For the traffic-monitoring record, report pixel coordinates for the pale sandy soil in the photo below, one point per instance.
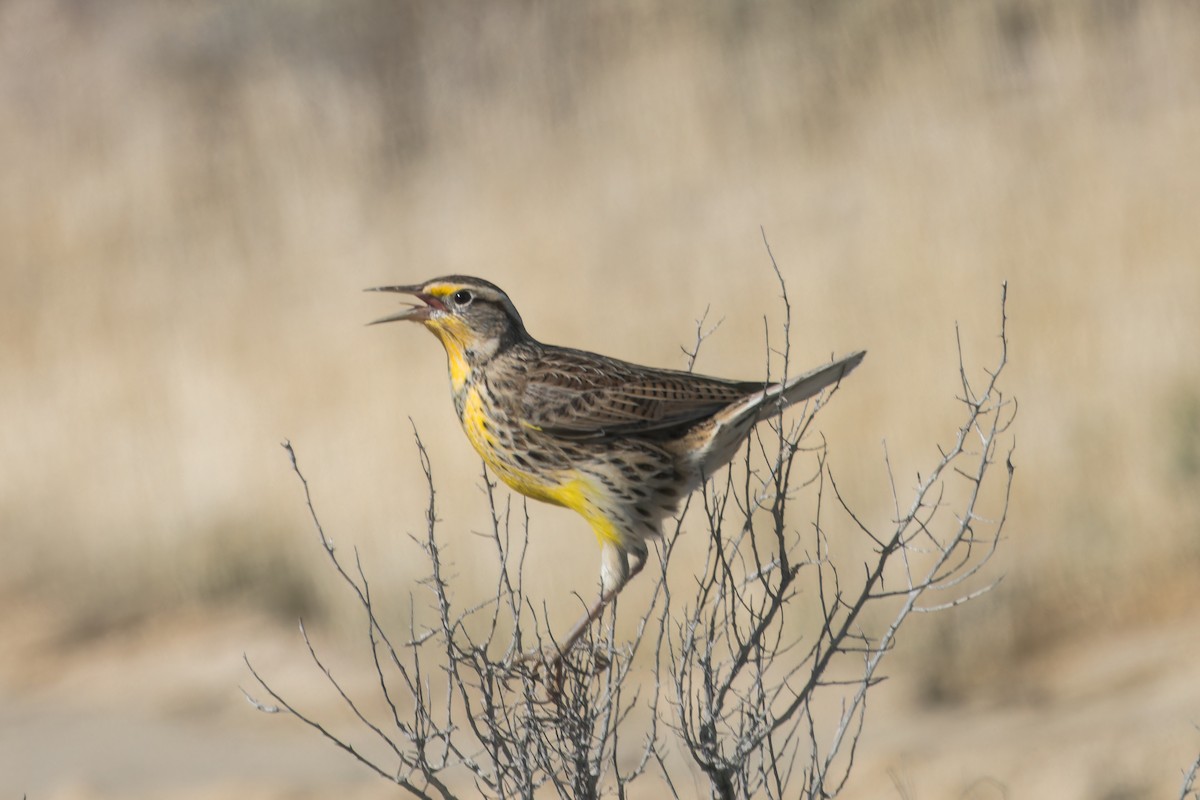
(1110, 716)
(156, 712)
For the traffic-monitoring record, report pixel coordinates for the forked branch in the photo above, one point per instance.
(738, 659)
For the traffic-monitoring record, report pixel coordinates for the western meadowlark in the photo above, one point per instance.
(619, 443)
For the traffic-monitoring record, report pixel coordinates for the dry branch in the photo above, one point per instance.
(733, 681)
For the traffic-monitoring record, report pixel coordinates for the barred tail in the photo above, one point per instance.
(804, 386)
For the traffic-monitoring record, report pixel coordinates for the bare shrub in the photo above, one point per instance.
(722, 680)
(1188, 789)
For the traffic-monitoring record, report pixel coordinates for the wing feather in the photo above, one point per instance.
(572, 394)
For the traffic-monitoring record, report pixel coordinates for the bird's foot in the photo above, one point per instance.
(551, 666)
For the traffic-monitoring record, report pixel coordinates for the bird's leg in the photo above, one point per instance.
(618, 566)
(597, 609)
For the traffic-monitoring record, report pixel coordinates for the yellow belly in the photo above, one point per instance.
(568, 489)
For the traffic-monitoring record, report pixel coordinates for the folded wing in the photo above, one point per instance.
(570, 397)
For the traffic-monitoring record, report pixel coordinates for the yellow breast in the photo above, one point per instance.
(478, 427)
(567, 489)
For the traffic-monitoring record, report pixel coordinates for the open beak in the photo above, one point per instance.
(414, 313)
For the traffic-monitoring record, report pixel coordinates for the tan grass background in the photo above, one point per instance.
(193, 195)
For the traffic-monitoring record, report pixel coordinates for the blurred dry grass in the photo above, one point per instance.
(194, 193)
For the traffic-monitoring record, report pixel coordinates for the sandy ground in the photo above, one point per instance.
(1110, 716)
(156, 711)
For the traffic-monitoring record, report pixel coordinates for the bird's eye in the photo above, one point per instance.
(463, 297)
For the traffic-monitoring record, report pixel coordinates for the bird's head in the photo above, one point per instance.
(473, 318)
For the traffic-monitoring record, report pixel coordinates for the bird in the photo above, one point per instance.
(620, 444)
